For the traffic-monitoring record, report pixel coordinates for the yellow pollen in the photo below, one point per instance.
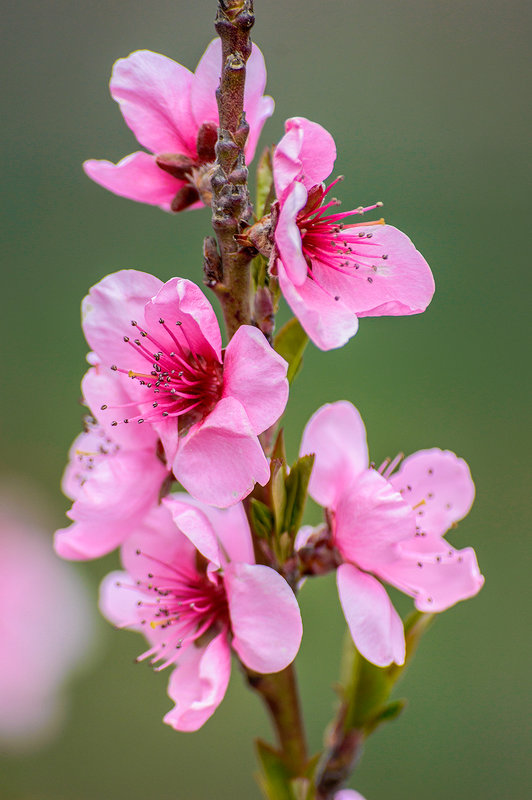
(132, 374)
(421, 503)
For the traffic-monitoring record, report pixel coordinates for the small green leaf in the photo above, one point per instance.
(274, 778)
(386, 714)
(265, 188)
(261, 518)
(296, 492)
(278, 495)
(290, 343)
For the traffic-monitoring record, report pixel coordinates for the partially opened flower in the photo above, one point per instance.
(174, 115)
(207, 407)
(332, 271)
(194, 605)
(389, 526)
(114, 474)
(46, 627)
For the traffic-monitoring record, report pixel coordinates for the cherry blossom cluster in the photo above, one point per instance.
(169, 405)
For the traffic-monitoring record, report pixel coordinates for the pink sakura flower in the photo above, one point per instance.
(46, 629)
(207, 406)
(330, 271)
(348, 794)
(389, 526)
(114, 475)
(173, 113)
(193, 607)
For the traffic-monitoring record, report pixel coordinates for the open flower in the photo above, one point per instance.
(114, 474)
(194, 606)
(332, 271)
(173, 113)
(389, 526)
(46, 627)
(207, 407)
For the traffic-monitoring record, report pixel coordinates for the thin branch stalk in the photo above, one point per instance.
(280, 695)
(231, 208)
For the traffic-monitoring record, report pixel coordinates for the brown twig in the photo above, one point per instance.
(231, 207)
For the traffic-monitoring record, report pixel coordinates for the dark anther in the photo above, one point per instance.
(102, 408)
(114, 367)
(126, 338)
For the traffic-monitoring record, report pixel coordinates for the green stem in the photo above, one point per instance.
(280, 695)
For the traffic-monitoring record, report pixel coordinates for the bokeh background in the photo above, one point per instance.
(427, 102)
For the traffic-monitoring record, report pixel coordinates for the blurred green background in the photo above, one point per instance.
(427, 102)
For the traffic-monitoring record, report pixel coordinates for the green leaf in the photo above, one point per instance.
(275, 777)
(296, 493)
(386, 714)
(265, 188)
(278, 495)
(262, 520)
(290, 343)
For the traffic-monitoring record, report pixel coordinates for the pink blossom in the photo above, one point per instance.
(332, 272)
(207, 407)
(348, 794)
(389, 526)
(173, 114)
(46, 629)
(114, 475)
(194, 609)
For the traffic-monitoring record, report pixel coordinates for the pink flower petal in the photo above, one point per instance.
(199, 684)
(89, 539)
(288, 237)
(348, 794)
(258, 107)
(196, 527)
(153, 94)
(204, 84)
(401, 284)
(265, 617)
(374, 624)
(434, 573)
(104, 387)
(306, 153)
(221, 460)
(136, 177)
(441, 482)
(107, 312)
(157, 537)
(336, 434)
(327, 321)
(219, 534)
(118, 600)
(256, 376)
(181, 301)
(371, 518)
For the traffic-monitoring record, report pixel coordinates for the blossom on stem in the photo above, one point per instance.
(173, 114)
(205, 405)
(192, 587)
(332, 271)
(389, 526)
(46, 628)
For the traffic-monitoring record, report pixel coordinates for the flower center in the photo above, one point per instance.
(179, 383)
(346, 248)
(180, 606)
